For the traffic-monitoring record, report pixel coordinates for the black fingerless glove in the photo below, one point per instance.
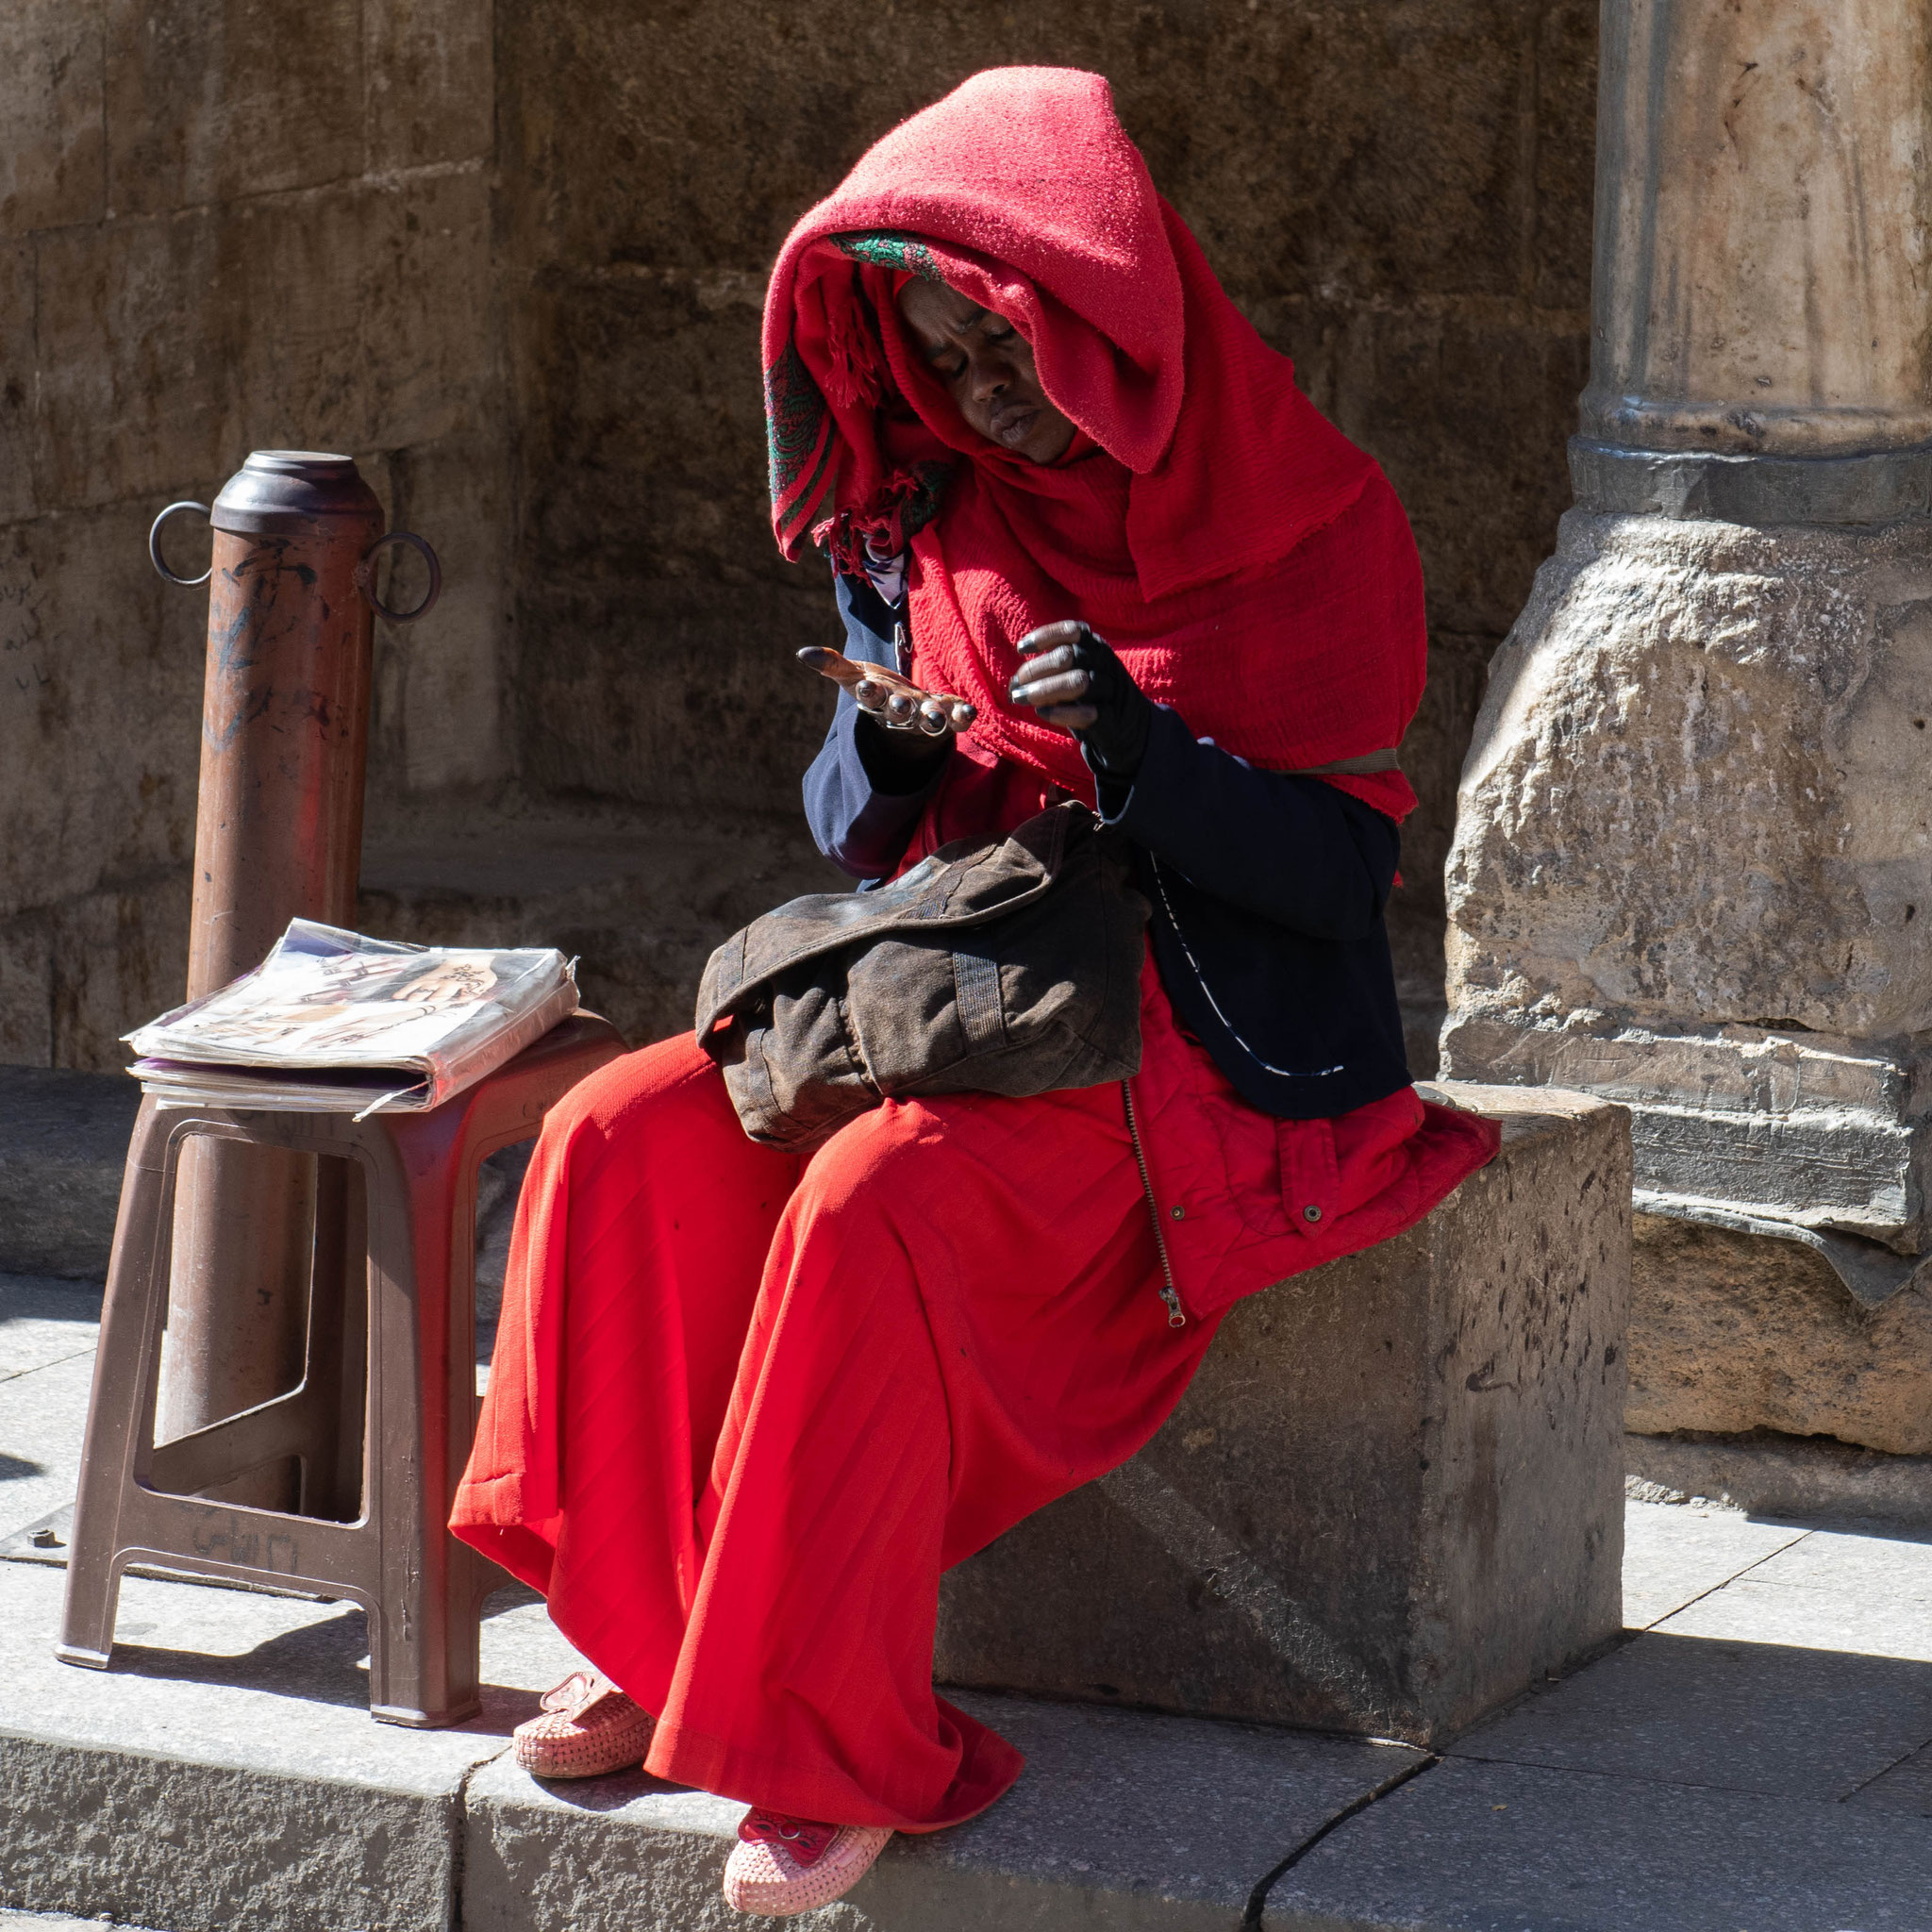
(1116, 742)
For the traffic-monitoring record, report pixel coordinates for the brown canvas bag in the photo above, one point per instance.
(1005, 965)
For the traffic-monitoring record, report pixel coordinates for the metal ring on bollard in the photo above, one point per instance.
(365, 575)
(154, 545)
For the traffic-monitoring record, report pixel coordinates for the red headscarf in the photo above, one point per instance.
(1250, 566)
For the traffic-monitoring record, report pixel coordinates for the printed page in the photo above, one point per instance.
(329, 998)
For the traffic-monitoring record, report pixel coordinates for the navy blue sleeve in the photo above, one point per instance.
(862, 798)
(869, 621)
(1293, 850)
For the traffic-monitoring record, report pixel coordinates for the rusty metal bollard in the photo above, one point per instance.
(278, 836)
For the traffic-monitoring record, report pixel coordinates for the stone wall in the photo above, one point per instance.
(219, 231)
(516, 269)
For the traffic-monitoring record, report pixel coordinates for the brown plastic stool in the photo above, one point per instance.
(382, 1419)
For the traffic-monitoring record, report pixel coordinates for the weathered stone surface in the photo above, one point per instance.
(641, 899)
(438, 720)
(1737, 867)
(182, 1790)
(1392, 1496)
(50, 115)
(118, 1831)
(17, 296)
(133, 401)
(63, 1137)
(227, 1773)
(430, 83)
(1815, 1130)
(1499, 1848)
(26, 1019)
(1731, 1333)
(1121, 1820)
(99, 825)
(1759, 283)
(420, 235)
(1748, 700)
(113, 952)
(90, 633)
(1801, 1477)
(1693, 846)
(177, 354)
(295, 247)
(215, 100)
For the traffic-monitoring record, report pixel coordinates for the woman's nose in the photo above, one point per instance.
(987, 375)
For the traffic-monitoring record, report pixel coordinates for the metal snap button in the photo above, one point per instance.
(1311, 1212)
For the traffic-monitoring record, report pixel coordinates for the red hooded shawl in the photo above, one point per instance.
(1250, 566)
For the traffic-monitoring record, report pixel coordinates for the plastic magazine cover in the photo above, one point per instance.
(337, 1022)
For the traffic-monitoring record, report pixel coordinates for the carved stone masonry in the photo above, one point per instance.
(1692, 870)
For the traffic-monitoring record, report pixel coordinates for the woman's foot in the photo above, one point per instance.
(784, 1865)
(589, 1730)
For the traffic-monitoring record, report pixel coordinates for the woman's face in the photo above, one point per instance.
(987, 366)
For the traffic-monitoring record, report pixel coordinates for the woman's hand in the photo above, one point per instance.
(1074, 680)
(891, 701)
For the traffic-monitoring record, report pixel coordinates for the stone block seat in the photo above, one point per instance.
(1392, 1498)
(381, 1421)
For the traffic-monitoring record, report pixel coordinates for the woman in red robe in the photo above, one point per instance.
(747, 1403)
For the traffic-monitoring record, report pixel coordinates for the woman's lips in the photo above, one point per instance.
(1014, 424)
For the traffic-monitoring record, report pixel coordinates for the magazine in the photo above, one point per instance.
(334, 1023)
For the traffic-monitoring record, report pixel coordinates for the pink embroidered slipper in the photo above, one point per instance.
(784, 1865)
(589, 1730)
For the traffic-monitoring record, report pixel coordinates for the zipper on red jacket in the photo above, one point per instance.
(1176, 1315)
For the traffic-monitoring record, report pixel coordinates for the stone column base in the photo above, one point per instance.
(1393, 1496)
(1808, 1480)
(1733, 1333)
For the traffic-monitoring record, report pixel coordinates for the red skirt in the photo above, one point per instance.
(746, 1406)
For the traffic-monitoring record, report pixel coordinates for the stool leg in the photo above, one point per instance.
(336, 1346)
(424, 1663)
(121, 1409)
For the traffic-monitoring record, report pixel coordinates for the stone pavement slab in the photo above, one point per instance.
(42, 1416)
(63, 1139)
(275, 1684)
(1831, 1591)
(1844, 1567)
(1907, 1787)
(45, 1319)
(1737, 1716)
(225, 1772)
(1674, 1555)
(1123, 1820)
(47, 1330)
(1473, 1847)
(1760, 1762)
